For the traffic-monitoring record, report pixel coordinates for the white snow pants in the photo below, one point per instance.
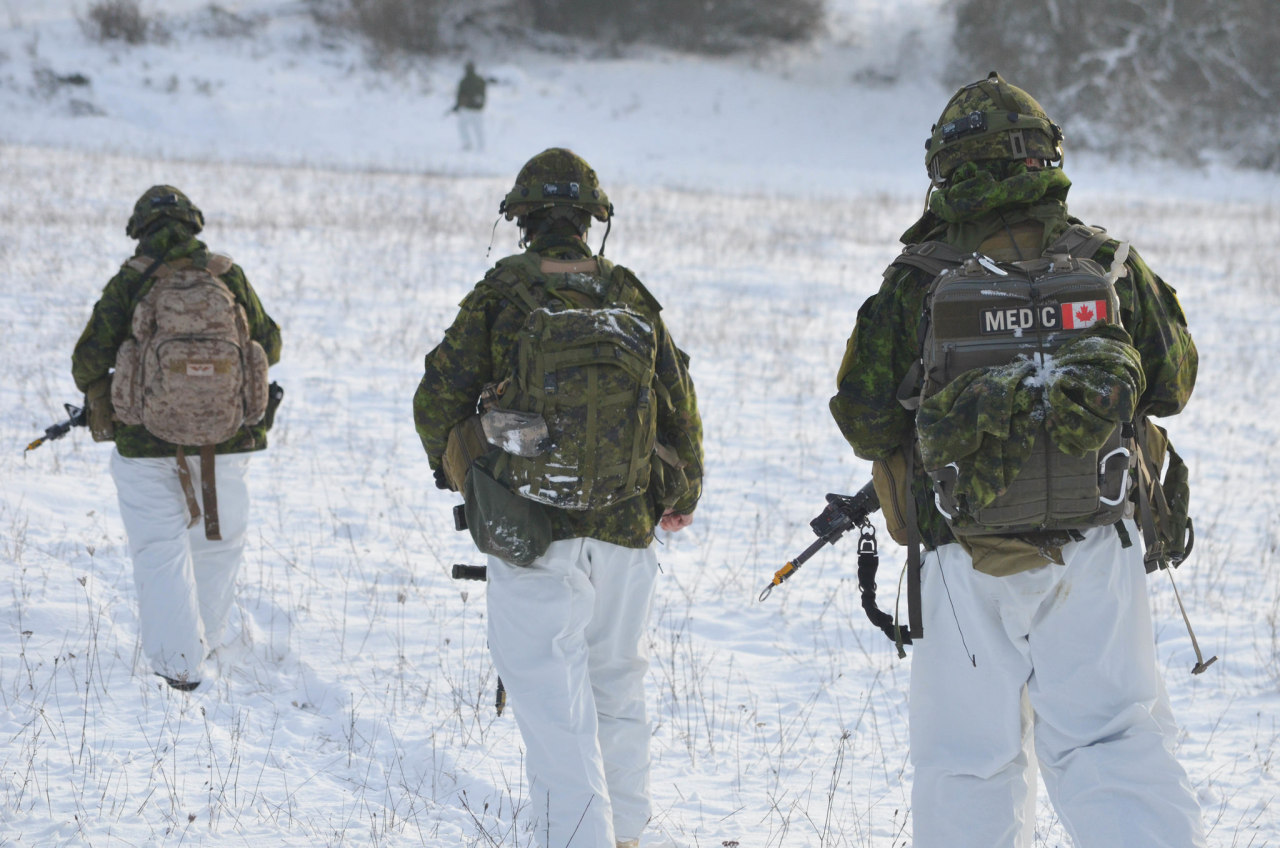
(567, 635)
(471, 128)
(185, 582)
(1076, 641)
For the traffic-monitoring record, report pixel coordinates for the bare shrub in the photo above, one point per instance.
(1170, 77)
(711, 26)
(218, 22)
(391, 26)
(121, 20)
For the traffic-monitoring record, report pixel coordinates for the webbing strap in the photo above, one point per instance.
(1080, 241)
(592, 436)
(188, 491)
(151, 270)
(638, 453)
(1150, 500)
(209, 493)
(915, 614)
(932, 257)
(526, 296)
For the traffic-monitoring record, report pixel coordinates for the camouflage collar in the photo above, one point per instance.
(561, 247)
(174, 240)
(983, 192)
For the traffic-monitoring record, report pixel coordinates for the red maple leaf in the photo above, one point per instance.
(1084, 315)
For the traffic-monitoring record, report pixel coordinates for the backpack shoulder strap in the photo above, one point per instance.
(218, 264)
(151, 270)
(1080, 241)
(932, 257)
(510, 278)
(627, 286)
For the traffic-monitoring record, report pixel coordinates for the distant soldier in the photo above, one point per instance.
(589, 439)
(470, 108)
(174, 362)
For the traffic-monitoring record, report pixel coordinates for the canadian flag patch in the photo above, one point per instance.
(1083, 313)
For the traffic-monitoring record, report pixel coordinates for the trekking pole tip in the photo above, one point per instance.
(1200, 667)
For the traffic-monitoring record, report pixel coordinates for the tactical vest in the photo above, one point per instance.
(575, 421)
(982, 314)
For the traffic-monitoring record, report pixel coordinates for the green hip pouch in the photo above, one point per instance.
(502, 523)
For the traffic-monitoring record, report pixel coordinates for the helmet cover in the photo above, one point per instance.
(556, 177)
(160, 202)
(990, 119)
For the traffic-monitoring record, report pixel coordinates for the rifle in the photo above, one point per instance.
(77, 416)
(470, 572)
(842, 514)
(480, 572)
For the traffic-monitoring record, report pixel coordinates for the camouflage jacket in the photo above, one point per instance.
(109, 326)
(885, 343)
(478, 349)
(471, 92)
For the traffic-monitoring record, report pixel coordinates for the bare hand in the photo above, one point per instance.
(673, 522)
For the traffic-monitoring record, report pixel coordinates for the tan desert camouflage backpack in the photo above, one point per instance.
(190, 374)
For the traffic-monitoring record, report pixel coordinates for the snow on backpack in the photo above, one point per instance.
(190, 374)
(576, 420)
(983, 314)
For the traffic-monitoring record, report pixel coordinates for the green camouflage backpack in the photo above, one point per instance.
(575, 423)
(1026, 389)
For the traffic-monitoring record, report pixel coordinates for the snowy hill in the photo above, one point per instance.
(759, 198)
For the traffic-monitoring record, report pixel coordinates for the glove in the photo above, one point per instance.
(441, 481)
(97, 400)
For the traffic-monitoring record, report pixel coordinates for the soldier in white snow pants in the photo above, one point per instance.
(567, 637)
(185, 582)
(1077, 639)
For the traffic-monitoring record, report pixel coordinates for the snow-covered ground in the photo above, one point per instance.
(759, 199)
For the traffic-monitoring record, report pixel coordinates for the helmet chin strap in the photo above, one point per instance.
(608, 225)
(492, 232)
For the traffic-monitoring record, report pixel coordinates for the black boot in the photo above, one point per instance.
(180, 685)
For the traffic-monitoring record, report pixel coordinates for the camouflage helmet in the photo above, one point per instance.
(162, 201)
(556, 177)
(990, 119)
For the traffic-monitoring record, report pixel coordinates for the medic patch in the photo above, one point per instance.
(1082, 314)
(1013, 320)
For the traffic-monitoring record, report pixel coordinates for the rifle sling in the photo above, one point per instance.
(868, 565)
